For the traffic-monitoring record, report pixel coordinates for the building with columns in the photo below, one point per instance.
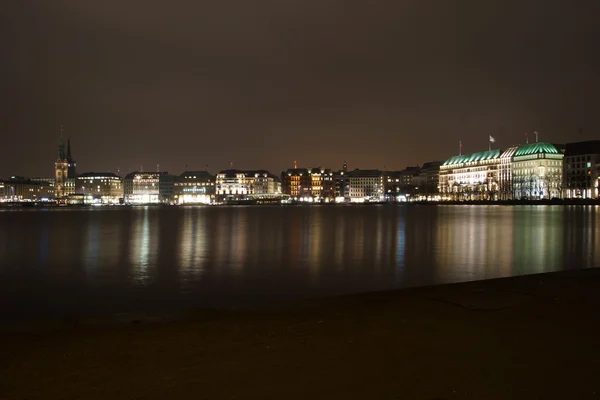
(238, 185)
(537, 171)
(470, 176)
(528, 171)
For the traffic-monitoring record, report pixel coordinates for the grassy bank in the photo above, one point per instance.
(520, 338)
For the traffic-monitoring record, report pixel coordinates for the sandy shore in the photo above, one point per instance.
(531, 337)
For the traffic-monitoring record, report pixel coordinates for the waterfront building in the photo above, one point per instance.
(341, 185)
(19, 189)
(142, 187)
(581, 170)
(100, 188)
(401, 185)
(48, 182)
(296, 183)
(166, 188)
(505, 175)
(365, 186)
(537, 170)
(237, 185)
(194, 187)
(391, 185)
(470, 176)
(309, 184)
(61, 171)
(65, 170)
(426, 182)
(265, 184)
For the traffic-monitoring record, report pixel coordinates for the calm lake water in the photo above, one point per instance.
(67, 261)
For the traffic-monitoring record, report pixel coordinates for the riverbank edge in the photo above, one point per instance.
(467, 288)
(524, 337)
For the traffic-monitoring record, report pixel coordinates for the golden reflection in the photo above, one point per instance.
(379, 234)
(295, 239)
(144, 245)
(474, 243)
(193, 247)
(314, 241)
(595, 237)
(222, 236)
(239, 239)
(338, 242)
(359, 238)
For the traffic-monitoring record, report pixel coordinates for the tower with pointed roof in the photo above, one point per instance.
(65, 169)
(72, 165)
(61, 169)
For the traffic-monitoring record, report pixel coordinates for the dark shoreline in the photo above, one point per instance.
(523, 337)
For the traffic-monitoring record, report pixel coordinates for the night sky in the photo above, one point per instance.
(265, 82)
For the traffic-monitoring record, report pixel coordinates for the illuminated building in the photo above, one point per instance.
(365, 186)
(581, 170)
(142, 187)
(18, 189)
(49, 181)
(236, 185)
(61, 171)
(470, 176)
(65, 170)
(194, 187)
(309, 184)
(100, 188)
(505, 175)
(537, 171)
(528, 171)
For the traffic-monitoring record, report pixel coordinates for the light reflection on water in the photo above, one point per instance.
(82, 261)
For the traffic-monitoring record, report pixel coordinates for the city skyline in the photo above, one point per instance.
(391, 84)
(532, 137)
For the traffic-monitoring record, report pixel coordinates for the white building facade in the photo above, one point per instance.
(236, 185)
(471, 176)
(365, 186)
(142, 188)
(537, 170)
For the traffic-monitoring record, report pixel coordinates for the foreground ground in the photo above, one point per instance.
(532, 337)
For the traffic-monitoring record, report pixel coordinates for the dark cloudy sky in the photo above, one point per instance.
(266, 82)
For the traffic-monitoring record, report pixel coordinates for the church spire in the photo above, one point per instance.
(61, 146)
(69, 150)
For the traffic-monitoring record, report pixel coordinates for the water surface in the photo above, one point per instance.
(76, 261)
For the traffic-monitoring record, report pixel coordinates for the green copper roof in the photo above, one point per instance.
(484, 155)
(539, 148)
